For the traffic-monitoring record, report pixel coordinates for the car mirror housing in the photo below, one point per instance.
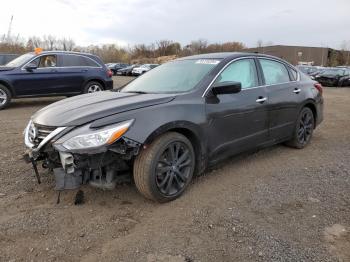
(31, 66)
(229, 87)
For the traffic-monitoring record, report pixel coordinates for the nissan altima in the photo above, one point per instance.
(173, 122)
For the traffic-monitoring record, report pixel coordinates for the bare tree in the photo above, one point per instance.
(50, 42)
(198, 46)
(67, 44)
(259, 43)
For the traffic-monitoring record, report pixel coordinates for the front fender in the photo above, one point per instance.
(9, 86)
(154, 120)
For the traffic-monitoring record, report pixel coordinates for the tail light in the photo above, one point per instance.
(109, 73)
(318, 86)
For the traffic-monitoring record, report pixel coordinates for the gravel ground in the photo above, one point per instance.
(279, 204)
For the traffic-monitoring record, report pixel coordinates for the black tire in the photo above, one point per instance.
(303, 130)
(88, 87)
(157, 174)
(5, 96)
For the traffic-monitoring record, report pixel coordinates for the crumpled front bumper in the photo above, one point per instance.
(34, 150)
(99, 166)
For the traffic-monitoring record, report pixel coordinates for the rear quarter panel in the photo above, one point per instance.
(310, 95)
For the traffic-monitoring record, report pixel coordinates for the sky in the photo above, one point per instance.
(123, 22)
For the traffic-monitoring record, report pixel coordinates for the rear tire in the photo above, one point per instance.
(92, 87)
(303, 130)
(165, 168)
(5, 96)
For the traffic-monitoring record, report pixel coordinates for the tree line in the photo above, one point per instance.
(159, 51)
(112, 52)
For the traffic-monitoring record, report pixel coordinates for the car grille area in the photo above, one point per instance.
(37, 133)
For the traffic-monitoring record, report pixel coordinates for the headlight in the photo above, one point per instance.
(105, 136)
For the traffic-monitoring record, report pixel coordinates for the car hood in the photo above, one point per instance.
(6, 68)
(83, 109)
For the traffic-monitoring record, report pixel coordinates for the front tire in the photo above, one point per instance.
(5, 96)
(165, 168)
(303, 130)
(92, 87)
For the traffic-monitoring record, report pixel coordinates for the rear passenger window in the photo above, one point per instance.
(89, 62)
(274, 72)
(77, 60)
(243, 71)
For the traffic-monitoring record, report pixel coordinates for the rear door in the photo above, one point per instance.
(73, 71)
(237, 122)
(284, 96)
(40, 81)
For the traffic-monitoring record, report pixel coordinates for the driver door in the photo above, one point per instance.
(237, 122)
(40, 81)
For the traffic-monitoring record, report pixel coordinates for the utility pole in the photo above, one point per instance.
(9, 30)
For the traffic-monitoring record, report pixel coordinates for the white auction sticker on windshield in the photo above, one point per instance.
(207, 61)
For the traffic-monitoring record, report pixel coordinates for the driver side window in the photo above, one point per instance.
(243, 71)
(47, 61)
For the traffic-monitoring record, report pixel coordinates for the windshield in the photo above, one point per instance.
(172, 77)
(333, 72)
(20, 60)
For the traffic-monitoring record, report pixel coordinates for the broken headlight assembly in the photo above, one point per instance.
(97, 138)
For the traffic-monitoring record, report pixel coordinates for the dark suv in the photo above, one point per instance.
(52, 73)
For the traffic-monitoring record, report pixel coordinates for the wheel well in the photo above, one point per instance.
(96, 80)
(8, 86)
(195, 141)
(314, 112)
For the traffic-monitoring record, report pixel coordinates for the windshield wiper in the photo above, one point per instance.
(136, 92)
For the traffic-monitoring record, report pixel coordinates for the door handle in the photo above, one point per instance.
(297, 90)
(261, 99)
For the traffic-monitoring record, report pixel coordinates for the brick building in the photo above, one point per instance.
(319, 56)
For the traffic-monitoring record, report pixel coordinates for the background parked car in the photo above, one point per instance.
(312, 71)
(334, 77)
(143, 69)
(53, 73)
(114, 67)
(5, 58)
(127, 70)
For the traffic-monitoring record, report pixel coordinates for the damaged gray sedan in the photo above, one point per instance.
(174, 121)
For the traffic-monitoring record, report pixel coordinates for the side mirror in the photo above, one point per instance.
(31, 67)
(229, 87)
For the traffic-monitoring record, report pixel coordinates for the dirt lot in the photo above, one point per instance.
(278, 204)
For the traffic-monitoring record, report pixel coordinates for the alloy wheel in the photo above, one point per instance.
(305, 127)
(3, 97)
(173, 168)
(94, 88)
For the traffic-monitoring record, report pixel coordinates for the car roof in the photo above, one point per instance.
(224, 55)
(64, 52)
